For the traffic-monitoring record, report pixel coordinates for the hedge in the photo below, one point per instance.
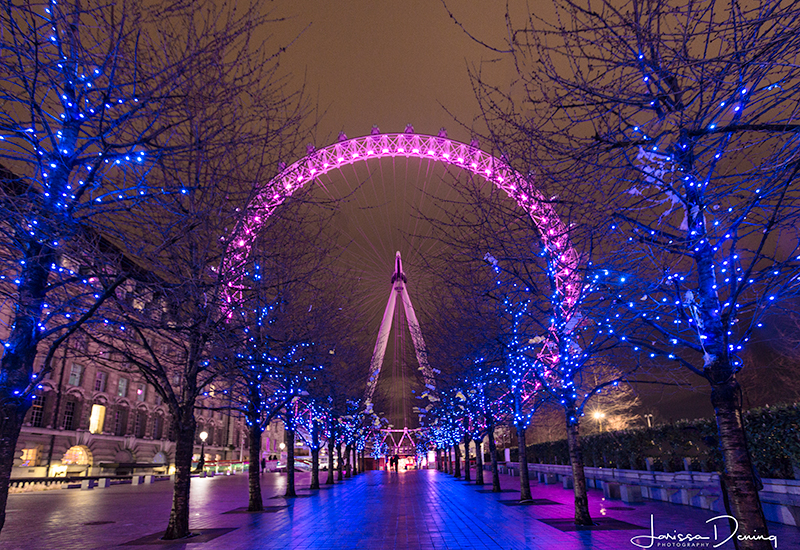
(773, 435)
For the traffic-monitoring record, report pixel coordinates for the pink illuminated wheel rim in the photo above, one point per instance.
(376, 146)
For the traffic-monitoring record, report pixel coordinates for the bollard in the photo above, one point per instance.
(611, 490)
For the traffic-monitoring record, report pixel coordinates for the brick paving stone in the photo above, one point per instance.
(375, 510)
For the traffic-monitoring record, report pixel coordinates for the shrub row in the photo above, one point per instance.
(773, 435)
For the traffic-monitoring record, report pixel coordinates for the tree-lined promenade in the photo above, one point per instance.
(409, 509)
(137, 141)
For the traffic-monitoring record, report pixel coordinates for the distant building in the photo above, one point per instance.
(87, 415)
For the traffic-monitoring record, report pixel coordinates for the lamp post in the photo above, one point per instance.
(599, 416)
(202, 462)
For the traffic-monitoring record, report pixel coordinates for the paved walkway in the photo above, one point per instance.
(375, 510)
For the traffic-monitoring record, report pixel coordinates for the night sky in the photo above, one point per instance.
(368, 62)
(388, 64)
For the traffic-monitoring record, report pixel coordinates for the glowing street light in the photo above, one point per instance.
(599, 416)
(202, 462)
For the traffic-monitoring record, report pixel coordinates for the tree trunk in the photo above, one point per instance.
(739, 475)
(495, 467)
(178, 526)
(478, 463)
(457, 461)
(524, 476)
(314, 454)
(466, 457)
(255, 503)
(11, 417)
(355, 461)
(16, 366)
(438, 460)
(289, 440)
(339, 463)
(582, 516)
(331, 444)
(347, 465)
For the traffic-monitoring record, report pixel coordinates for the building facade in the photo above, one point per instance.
(88, 419)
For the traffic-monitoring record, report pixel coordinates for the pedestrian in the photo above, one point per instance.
(263, 464)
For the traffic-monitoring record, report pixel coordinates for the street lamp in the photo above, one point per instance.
(202, 462)
(599, 416)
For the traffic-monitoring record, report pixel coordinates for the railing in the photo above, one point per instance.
(223, 467)
(31, 484)
(780, 498)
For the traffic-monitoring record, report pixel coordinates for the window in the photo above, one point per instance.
(75, 374)
(69, 415)
(97, 418)
(156, 427)
(122, 387)
(76, 455)
(120, 421)
(100, 381)
(37, 412)
(141, 392)
(140, 425)
(30, 457)
(158, 400)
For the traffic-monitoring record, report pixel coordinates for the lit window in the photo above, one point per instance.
(122, 387)
(30, 457)
(75, 374)
(75, 455)
(141, 392)
(100, 381)
(97, 418)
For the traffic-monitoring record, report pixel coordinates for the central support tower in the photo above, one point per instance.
(400, 290)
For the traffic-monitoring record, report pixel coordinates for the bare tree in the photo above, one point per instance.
(92, 97)
(676, 119)
(289, 265)
(556, 335)
(239, 122)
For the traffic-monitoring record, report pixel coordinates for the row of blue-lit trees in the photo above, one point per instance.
(289, 349)
(674, 122)
(271, 349)
(141, 130)
(533, 338)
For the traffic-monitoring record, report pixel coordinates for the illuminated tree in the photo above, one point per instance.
(288, 264)
(676, 119)
(550, 340)
(94, 100)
